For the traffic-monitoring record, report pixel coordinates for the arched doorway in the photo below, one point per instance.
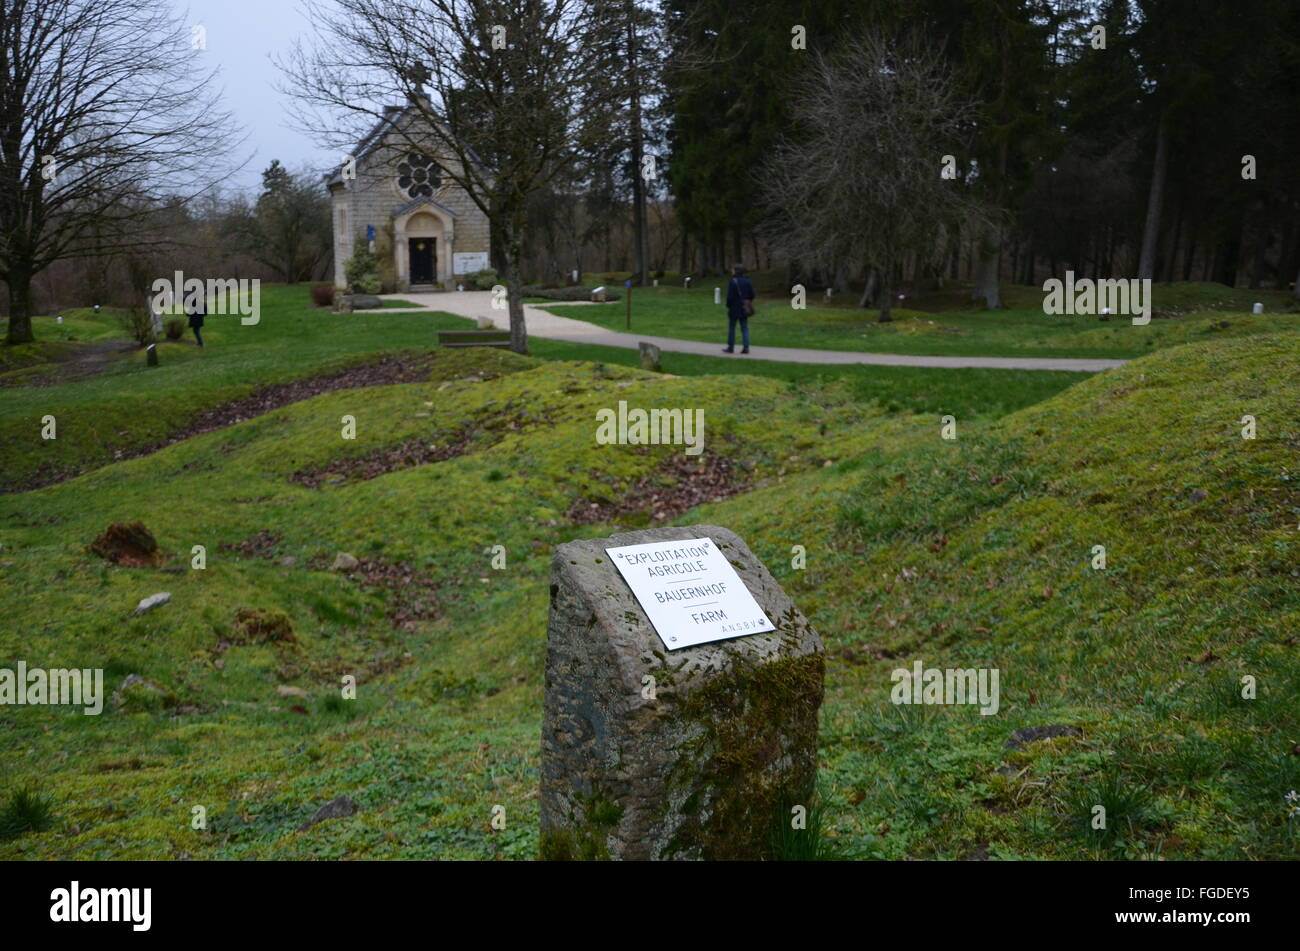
(422, 232)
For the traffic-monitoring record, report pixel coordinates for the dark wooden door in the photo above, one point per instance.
(423, 260)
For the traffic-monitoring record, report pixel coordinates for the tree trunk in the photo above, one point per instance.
(1285, 254)
(639, 216)
(1170, 264)
(515, 297)
(886, 293)
(1258, 262)
(986, 280)
(869, 288)
(1230, 260)
(1150, 234)
(20, 307)
(1295, 288)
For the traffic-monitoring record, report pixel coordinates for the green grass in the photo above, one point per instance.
(966, 393)
(1023, 330)
(25, 811)
(129, 406)
(125, 407)
(967, 553)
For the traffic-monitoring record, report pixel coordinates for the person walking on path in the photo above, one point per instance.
(740, 307)
(196, 308)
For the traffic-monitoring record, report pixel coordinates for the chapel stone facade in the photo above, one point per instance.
(424, 224)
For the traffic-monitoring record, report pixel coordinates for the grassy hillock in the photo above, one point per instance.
(973, 552)
(124, 409)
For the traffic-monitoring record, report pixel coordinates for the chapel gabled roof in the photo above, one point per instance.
(392, 117)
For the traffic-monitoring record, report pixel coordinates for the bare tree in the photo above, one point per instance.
(102, 115)
(513, 93)
(862, 176)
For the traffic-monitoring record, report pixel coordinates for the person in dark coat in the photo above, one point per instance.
(740, 296)
(196, 310)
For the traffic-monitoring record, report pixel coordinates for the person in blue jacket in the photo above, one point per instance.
(740, 307)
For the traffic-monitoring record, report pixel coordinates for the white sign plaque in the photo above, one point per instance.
(689, 591)
(467, 262)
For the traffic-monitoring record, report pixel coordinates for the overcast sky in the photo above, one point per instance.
(242, 36)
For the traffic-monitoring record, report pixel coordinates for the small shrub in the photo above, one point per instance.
(333, 704)
(483, 280)
(1127, 806)
(25, 811)
(137, 323)
(175, 328)
(785, 843)
(269, 624)
(362, 271)
(322, 295)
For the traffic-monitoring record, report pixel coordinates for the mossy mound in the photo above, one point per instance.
(972, 553)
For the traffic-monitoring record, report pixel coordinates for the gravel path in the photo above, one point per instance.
(473, 304)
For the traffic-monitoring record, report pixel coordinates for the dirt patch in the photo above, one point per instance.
(132, 545)
(390, 370)
(856, 656)
(493, 422)
(77, 363)
(680, 483)
(406, 367)
(410, 595)
(406, 455)
(259, 545)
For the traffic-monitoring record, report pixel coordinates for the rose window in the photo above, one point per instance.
(418, 176)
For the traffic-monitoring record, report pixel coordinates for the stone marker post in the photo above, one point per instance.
(648, 753)
(650, 357)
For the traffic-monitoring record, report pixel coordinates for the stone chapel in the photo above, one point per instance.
(402, 198)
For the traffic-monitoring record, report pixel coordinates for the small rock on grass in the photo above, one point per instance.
(338, 808)
(153, 601)
(344, 562)
(285, 690)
